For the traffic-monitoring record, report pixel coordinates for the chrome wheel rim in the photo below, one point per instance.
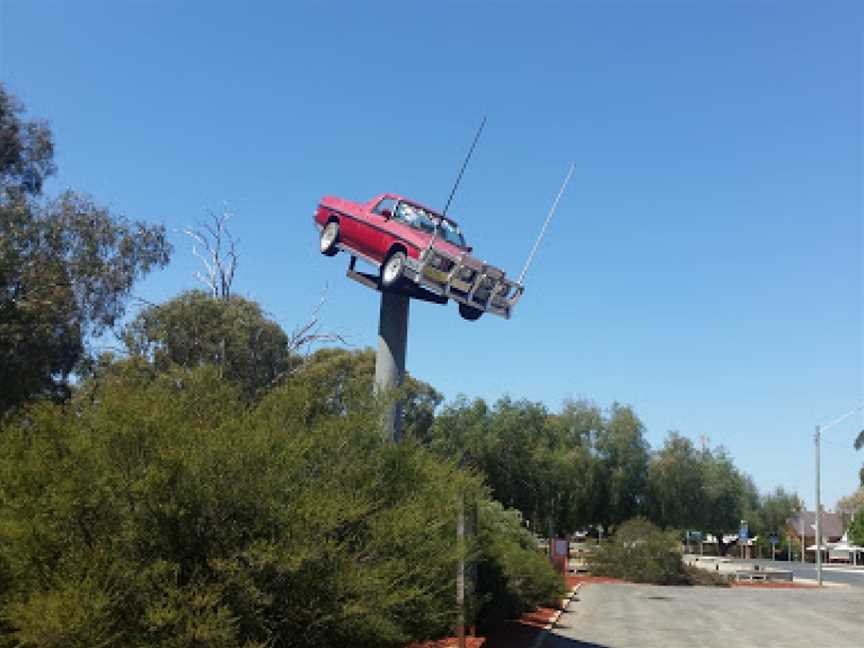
(328, 237)
(393, 269)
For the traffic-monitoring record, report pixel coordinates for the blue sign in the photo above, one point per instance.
(773, 539)
(743, 532)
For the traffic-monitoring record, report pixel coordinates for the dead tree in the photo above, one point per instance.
(218, 253)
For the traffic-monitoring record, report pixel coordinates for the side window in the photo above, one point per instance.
(385, 207)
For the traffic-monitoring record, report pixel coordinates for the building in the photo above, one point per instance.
(802, 526)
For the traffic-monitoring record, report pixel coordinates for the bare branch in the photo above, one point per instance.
(220, 264)
(308, 334)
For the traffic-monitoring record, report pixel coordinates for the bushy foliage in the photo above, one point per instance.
(707, 577)
(232, 333)
(856, 528)
(562, 471)
(67, 265)
(640, 552)
(159, 509)
(513, 576)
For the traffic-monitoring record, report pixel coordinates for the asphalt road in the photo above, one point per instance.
(803, 572)
(647, 616)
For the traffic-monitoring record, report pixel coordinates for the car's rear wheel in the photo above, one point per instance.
(329, 239)
(392, 269)
(469, 312)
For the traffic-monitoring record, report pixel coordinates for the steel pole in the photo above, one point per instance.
(390, 360)
(818, 513)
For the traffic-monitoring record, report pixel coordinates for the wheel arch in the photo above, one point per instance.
(396, 246)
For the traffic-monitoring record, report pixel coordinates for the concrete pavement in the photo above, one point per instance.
(647, 616)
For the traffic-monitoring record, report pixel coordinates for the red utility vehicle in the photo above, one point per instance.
(410, 242)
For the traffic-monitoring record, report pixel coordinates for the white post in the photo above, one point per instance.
(803, 544)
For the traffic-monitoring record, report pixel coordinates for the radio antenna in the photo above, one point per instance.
(546, 224)
(464, 164)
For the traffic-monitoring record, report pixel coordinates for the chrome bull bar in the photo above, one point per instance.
(486, 288)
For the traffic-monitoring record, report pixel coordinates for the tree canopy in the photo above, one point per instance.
(196, 329)
(67, 265)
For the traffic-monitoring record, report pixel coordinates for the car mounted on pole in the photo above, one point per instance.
(417, 251)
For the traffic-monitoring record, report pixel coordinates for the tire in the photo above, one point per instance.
(329, 239)
(469, 312)
(392, 269)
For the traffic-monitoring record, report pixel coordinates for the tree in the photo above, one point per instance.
(675, 487)
(67, 266)
(26, 150)
(723, 488)
(337, 382)
(534, 461)
(851, 504)
(218, 253)
(856, 528)
(623, 454)
(859, 443)
(231, 333)
(777, 507)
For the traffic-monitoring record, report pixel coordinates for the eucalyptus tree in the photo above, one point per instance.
(675, 484)
(67, 265)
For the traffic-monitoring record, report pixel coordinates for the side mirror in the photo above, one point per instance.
(469, 249)
(386, 213)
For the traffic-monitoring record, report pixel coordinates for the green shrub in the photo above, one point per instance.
(699, 576)
(642, 553)
(513, 576)
(162, 509)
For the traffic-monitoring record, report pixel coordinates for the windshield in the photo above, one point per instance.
(430, 222)
(450, 232)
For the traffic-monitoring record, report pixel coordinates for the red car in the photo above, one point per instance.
(410, 242)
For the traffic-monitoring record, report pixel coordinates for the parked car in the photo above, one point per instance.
(410, 242)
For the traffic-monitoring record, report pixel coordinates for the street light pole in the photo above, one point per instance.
(818, 513)
(816, 439)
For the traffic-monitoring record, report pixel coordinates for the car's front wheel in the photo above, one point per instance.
(393, 269)
(469, 312)
(329, 239)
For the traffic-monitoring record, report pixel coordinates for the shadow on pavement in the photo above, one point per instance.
(556, 641)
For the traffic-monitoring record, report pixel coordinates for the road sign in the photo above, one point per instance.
(773, 539)
(743, 532)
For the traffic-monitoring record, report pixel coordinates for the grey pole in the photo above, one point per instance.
(818, 515)
(390, 360)
(460, 573)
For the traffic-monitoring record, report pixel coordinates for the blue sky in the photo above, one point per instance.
(705, 265)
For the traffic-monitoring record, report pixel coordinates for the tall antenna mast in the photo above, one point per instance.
(546, 224)
(464, 164)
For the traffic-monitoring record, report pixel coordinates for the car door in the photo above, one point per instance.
(380, 223)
